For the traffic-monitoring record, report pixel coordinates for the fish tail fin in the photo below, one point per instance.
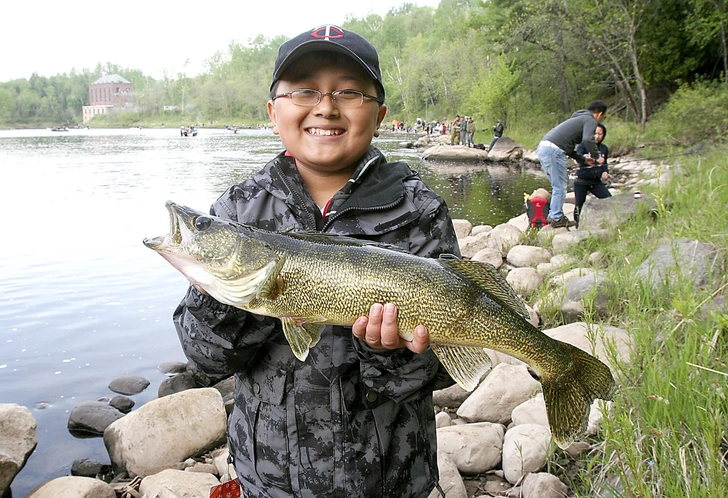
(569, 394)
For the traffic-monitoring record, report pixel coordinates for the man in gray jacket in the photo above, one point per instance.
(561, 141)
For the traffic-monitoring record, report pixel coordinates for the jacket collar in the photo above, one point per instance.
(374, 184)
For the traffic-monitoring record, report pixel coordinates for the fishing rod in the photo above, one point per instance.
(619, 161)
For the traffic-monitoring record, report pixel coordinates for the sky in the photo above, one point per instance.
(156, 36)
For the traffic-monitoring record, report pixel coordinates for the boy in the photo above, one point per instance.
(561, 141)
(356, 418)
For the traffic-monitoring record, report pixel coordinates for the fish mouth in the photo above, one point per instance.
(167, 242)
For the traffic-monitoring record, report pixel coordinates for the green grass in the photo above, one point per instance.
(668, 433)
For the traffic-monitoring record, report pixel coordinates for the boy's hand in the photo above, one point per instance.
(379, 330)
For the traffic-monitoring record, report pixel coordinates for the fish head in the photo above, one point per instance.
(222, 257)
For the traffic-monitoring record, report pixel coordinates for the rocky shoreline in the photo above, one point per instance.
(494, 441)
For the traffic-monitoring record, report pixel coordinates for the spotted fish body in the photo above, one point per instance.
(309, 280)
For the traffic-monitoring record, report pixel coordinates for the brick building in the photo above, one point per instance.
(108, 94)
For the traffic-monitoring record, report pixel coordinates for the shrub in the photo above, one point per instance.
(695, 113)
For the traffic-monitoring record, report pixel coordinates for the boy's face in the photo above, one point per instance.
(326, 137)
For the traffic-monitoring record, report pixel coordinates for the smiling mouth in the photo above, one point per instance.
(324, 133)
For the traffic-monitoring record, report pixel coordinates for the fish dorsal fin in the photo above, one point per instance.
(485, 276)
(301, 336)
(465, 364)
(340, 240)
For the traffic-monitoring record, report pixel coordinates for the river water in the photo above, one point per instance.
(82, 301)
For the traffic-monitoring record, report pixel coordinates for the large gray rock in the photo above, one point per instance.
(506, 149)
(681, 259)
(572, 308)
(167, 430)
(610, 212)
(17, 441)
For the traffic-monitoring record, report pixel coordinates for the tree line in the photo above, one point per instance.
(515, 60)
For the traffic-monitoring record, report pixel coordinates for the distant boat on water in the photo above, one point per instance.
(59, 128)
(187, 131)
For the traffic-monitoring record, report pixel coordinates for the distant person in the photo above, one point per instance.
(470, 131)
(592, 178)
(455, 131)
(464, 130)
(561, 141)
(497, 133)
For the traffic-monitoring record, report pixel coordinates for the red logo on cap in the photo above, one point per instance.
(327, 32)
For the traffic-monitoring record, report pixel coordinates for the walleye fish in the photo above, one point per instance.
(309, 280)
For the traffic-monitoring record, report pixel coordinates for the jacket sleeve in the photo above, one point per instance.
(219, 338)
(401, 374)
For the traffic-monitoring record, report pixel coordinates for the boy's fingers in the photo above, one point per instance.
(420, 340)
(389, 334)
(373, 333)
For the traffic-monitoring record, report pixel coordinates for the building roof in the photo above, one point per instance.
(110, 78)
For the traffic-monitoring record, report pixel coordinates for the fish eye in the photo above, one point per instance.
(202, 223)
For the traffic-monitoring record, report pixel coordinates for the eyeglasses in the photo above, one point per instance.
(344, 98)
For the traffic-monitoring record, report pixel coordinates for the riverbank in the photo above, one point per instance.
(671, 395)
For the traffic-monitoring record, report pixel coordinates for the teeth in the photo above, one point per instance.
(327, 133)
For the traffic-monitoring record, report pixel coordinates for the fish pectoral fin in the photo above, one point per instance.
(301, 335)
(273, 286)
(465, 364)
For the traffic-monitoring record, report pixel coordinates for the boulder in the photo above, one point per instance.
(73, 487)
(129, 384)
(178, 484)
(543, 485)
(150, 436)
(505, 387)
(454, 153)
(681, 259)
(525, 281)
(450, 480)
(605, 336)
(522, 256)
(92, 417)
(462, 228)
(526, 448)
(474, 448)
(17, 441)
(506, 149)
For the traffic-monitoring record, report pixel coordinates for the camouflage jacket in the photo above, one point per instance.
(349, 421)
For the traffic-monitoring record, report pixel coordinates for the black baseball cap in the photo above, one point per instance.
(333, 39)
